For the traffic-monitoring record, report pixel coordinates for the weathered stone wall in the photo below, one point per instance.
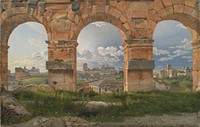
(64, 19)
(196, 66)
(62, 64)
(138, 65)
(20, 74)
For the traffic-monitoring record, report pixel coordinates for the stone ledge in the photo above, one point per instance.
(58, 65)
(196, 44)
(141, 65)
(64, 43)
(139, 41)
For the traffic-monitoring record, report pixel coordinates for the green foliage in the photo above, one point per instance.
(81, 82)
(61, 103)
(182, 81)
(36, 79)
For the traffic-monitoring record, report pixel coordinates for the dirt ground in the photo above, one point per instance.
(183, 120)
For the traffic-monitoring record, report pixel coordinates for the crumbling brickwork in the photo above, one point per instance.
(135, 19)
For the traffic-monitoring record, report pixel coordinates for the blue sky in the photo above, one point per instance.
(99, 44)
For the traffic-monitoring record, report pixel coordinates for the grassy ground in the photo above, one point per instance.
(36, 79)
(60, 103)
(182, 81)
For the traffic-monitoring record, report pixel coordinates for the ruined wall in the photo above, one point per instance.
(136, 21)
(20, 74)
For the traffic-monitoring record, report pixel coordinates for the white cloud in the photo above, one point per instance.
(159, 52)
(158, 67)
(85, 54)
(186, 45)
(181, 26)
(179, 52)
(186, 57)
(121, 48)
(163, 59)
(112, 51)
(37, 60)
(99, 24)
(109, 55)
(172, 47)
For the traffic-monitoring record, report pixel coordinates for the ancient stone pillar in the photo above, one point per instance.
(138, 65)
(4, 66)
(62, 64)
(196, 65)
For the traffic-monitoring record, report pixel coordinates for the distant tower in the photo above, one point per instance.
(169, 66)
(85, 68)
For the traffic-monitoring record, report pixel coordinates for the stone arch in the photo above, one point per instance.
(10, 19)
(115, 17)
(179, 11)
(185, 12)
(13, 17)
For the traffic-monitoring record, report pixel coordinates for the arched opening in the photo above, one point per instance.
(173, 56)
(100, 58)
(27, 55)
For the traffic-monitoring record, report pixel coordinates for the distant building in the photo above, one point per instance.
(34, 71)
(171, 72)
(11, 78)
(107, 86)
(20, 74)
(95, 74)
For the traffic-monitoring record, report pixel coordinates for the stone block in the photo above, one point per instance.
(70, 15)
(139, 14)
(60, 15)
(170, 10)
(76, 19)
(58, 65)
(187, 10)
(154, 16)
(126, 25)
(113, 3)
(19, 10)
(58, 1)
(178, 8)
(123, 19)
(158, 5)
(116, 22)
(100, 16)
(163, 12)
(140, 23)
(116, 13)
(194, 13)
(178, 1)
(48, 15)
(141, 65)
(100, 9)
(122, 5)
(8, 13)
(167, 3)
(190, 3)
(110, 10)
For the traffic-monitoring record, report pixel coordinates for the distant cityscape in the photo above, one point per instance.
(171, 72)
(106, 79)
(95, 74)
(20, 74)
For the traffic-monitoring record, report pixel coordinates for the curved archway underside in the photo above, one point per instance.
(136, 20)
